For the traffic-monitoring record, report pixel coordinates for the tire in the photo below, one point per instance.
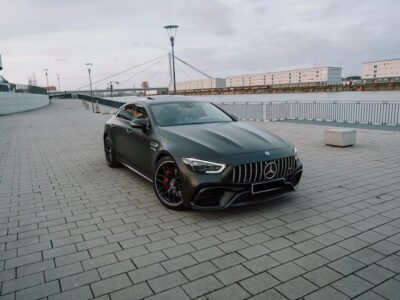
(167, 184)
(109, 152)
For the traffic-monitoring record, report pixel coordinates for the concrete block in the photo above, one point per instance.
(340, 137)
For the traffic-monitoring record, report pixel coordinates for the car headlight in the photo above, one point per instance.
(295, 153)
(203, 166)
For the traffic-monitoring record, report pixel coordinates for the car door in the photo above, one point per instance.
(139, 143)
(120, 132)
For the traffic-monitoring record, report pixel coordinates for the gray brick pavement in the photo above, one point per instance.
(72, 228)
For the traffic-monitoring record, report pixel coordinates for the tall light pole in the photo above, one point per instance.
(46, 71)
(111, 88)
(171, 31)
(59, 86)
(89, 66)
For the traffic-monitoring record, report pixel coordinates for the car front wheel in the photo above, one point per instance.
(109, 152)
(167, 183)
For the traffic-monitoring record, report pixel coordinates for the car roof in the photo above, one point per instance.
(162, 99)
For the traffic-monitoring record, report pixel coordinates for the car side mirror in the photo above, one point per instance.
(139, 123)
(234, 117)
(144, 124)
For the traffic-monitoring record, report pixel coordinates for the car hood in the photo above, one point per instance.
(227, 138)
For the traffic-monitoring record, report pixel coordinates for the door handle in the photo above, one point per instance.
(128, 131)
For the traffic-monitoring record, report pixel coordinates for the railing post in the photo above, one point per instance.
(297, 110)
(270, 111)
(263, 113)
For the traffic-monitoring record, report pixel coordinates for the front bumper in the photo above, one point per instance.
(216, 191)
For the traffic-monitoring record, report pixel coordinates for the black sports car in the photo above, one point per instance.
(198, 155)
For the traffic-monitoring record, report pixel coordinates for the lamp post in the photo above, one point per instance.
(89, 66)
(111, 88)
(171, 31)
(59, 86)
(46, 71)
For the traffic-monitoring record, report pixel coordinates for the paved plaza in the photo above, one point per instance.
(72, 228)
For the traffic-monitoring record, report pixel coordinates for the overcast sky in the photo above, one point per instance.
(220, 37)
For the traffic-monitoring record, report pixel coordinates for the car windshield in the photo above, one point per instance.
(169, 114)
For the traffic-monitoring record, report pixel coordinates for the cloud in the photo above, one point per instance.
(220, 37)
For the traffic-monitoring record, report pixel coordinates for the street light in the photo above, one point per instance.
(59, 86)
(89, 66)
(111, 88)
(171, 31)
(46, 71)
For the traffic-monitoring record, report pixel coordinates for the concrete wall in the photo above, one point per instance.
(18, 102)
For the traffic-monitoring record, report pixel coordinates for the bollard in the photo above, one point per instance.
(96, 107)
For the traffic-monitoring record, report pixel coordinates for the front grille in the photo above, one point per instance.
(254, 172)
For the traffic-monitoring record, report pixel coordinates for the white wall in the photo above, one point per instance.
(381, 69)
(18, 102)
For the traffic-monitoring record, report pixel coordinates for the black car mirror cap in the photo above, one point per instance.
(139, 123)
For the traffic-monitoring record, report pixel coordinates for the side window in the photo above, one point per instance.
(140, 113)
(126, 112)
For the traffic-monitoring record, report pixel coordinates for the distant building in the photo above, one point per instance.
(302, 77)
(200, 84)
(381, 71)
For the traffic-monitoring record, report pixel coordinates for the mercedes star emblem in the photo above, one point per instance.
(270, 170)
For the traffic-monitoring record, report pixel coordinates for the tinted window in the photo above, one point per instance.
(188, 113)
(126, 112)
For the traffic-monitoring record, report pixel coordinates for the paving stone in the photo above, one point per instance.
(333, 252)
(63, 271)
(175, 293)
(367, 256)
(138, 291)
(167, 281)
(179, 263)
(322, 276)
(99, 261)
(254, 251)
(369, 296)
(228, 260)
(259, 283)
(22, 283)
(110, 284)
(39, 291)
(233, 274)
(79, 279)
(269, 295)
(389, 289)
(149, 259)
(207, 254)
(286, 271)
(202, 286)
(346, 265)
(352, 285)
(327, 292)
(232, 292)
(199, 270)
(116, 268)
(260, 264)
(375, 274)
(81, 293)
(391, 262)
(311, 261)
(146, 273)
(33, 268)
(296, 288)
(385, 247)
(286, 255)
(277, 244)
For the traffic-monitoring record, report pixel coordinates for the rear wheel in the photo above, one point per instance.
(167, 183)
(109, 152)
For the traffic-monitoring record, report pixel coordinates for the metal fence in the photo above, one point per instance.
(382, 113)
